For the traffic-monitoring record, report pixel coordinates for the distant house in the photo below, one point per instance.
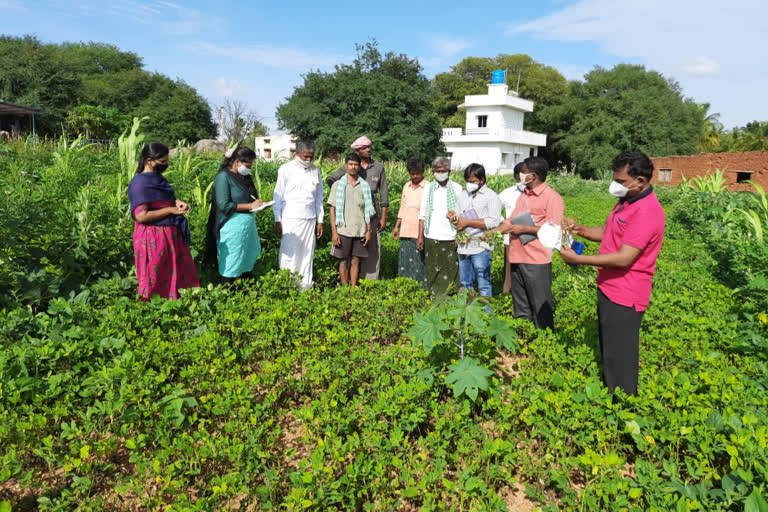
(738, 168)
(275, 147)
(493, 135)
(17, 119)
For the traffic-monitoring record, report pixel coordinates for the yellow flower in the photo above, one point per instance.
(762, 318)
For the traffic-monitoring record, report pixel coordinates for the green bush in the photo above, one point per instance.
(257, 396)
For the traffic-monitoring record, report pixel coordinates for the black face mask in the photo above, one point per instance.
(160, 168)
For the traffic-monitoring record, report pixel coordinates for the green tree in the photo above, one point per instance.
(60, 78)
(176, 112)
(711, 132)
(751, 137)
(95, 122)
(621, 109)
(385, 97)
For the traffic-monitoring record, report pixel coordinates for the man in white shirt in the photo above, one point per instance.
(478, 209)
(509, 198)
(298, 211)
(437, 236)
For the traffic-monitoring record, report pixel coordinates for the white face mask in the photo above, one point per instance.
(441, 176)
(617, 189)
(472, 187)
(521, 187)
(306, 164)
(243, 170)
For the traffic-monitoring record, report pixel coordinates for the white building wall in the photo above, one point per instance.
(275, 147)
(512, 119)
(500, 158)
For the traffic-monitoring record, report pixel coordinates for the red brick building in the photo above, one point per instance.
(738, 168)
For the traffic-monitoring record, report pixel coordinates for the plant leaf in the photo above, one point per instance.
(467, 378)
(475, 316)
(427, 329)
(504, 333)
(755, 503)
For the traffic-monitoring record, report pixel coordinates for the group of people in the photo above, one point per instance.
(446, 233)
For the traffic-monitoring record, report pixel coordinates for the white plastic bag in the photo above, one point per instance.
(550, 235)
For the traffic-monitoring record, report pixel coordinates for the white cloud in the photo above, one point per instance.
(168, 17)
(447, 47)
(268, 55)
(702, 66)
(226, 88)
(707, 47)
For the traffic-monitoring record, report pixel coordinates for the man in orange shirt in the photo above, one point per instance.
(531, 262)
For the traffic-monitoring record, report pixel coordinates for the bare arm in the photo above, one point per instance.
(594, 234)
(621, 259)
(396, 230)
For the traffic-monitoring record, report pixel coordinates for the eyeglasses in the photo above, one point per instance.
(365, 147)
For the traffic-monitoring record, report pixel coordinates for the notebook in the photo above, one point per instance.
(526, 220)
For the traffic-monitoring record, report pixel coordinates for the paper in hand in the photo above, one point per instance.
(263, 206)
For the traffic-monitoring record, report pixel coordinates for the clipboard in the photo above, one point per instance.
(524, 219)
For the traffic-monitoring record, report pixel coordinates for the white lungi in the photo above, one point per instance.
(297, 248)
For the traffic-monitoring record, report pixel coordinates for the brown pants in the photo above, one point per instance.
(369, 266)
(507, 286)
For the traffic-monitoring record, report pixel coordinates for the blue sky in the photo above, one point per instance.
(257, 51)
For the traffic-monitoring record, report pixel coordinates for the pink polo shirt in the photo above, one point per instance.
(639, 223)
(544, 205)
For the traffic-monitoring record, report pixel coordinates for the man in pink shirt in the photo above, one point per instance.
(531, 262)
(629, 245)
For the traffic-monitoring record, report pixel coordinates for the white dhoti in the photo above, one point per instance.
(297, 248)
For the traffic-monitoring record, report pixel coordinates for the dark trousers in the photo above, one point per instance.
(619, 343)
(532, 293)
(230, 280)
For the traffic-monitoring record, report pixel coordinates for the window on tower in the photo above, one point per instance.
(482, 121)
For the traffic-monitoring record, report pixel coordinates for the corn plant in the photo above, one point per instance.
(128, 146)
(714, 183)
(184, 162)
(66, 152)
(757, 218)
(200, 195)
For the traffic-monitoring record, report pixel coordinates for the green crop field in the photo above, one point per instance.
(258, 397)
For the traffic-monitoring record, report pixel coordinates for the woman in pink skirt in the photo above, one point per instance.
(161, 235)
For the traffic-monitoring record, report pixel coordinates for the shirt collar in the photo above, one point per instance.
(537, 191)
(422, 184)
(631, 200)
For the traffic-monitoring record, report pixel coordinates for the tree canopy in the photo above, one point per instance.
(386, 97)
(98, 87)
(621, 109)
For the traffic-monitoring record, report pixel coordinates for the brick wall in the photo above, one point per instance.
(706, 163)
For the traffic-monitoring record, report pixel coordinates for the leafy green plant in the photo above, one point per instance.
(757, 218)
(128, 147)
(459, 321)
(66, 152)
(714, 183)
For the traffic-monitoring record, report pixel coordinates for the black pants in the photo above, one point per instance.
(619, 343)
(532, 293)
(230, 280)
